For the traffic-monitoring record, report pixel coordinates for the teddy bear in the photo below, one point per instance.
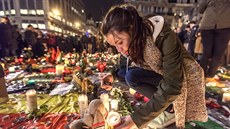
(94, 117)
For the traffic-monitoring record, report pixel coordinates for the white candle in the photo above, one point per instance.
(31, 99)
(12, 69)
(113, 119)
(59, 69)
(105, 100)
(83, 103)
(114, 104)
(90, 64)
(132, 91)
(226, 97)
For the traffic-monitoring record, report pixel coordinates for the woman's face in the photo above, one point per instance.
(121, 40)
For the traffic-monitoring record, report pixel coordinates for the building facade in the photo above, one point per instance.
(62, 16)
(175, 12)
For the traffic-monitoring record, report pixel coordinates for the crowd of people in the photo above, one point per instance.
(13, 41)
(189, 35)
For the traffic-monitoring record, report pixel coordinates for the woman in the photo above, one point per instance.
(153, 46)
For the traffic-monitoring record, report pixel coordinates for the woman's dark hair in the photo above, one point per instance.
(125, 18)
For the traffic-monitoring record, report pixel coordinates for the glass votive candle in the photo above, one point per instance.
(59, 69)
(114, 104)
(113, 119)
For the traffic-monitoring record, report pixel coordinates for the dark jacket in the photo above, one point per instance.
(13, 41)
(5, 35)
(29, 37)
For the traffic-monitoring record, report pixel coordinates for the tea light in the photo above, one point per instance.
(226, 97)
(59, 69)
(114, 104)
(31, 82)
(31, 99)
(83, 103)
(90, 64)
(113, 119)
(11, 69)
(66, 61)
(105, 100)
(132, 91)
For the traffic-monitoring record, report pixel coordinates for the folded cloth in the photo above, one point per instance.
(62, 89)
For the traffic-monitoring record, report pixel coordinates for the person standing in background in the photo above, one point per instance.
(192, 37)
(30, 37)
(11, 48)
(215, 33)
(6, 36)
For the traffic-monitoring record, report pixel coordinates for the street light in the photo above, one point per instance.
(77, 24)
(56, 12)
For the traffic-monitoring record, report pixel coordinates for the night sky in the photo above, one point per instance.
(98, 8)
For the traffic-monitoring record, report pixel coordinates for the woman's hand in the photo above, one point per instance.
(107, 82)
(107, 87)
(127, 123)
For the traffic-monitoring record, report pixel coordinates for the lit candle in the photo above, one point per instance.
(59, 69)
(226, 97)
(90, 64)
(11, 69)
(31, 99)
(114, 104)
(3, 65)
(105, 100)
(113, 119)
(132, 91)
(83, 103)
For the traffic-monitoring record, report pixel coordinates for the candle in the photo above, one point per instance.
(31, 99)
(59, 69)
(226, 97)
(113, 119)
(31, 82)
(114, 104)
(132, 91)
(11, 69)
(66, 61)
(105, 100)
(90, 64)
(3, 66)
(83, 104)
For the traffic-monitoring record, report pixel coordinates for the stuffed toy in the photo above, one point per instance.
(94, 117)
